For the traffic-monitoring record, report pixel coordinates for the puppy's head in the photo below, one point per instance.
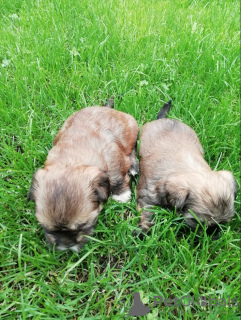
(68, 202)
(209, 195)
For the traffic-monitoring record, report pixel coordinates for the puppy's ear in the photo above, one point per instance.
(101, 185)
(176, 193)
(34, 185)
(227, 175)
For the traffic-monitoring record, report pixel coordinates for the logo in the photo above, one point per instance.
(138, 308)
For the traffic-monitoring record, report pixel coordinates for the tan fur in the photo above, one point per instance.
(173, 173)
(90, 159)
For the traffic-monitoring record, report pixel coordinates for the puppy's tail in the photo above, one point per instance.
(110, 103)
(164, 110)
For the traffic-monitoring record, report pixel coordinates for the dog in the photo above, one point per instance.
(91, 159)
(174, 174)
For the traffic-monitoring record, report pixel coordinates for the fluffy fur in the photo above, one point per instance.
(91, 158)
(173, 173)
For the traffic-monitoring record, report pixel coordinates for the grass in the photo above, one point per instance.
(59, 56)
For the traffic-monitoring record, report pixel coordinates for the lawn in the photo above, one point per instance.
(59, 56)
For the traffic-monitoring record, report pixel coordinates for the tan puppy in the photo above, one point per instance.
(91, 158)
(173, 173)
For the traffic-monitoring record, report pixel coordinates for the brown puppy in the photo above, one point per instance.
(173, 173)
(92, 155)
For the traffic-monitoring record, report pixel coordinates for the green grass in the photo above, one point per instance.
(59, 56)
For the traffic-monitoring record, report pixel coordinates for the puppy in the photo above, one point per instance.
(93, 154)
(173, 173)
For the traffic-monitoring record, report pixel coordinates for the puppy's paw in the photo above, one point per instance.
(146, 225)
(123, 197)
(141, 233)
(133, 171)
(138, 234)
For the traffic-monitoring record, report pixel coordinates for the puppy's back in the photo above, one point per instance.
(118, 126)
(169, 146)
(167, 136)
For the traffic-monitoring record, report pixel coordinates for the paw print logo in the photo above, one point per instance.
(138, 308)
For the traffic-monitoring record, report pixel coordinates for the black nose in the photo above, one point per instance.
(214, 232)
